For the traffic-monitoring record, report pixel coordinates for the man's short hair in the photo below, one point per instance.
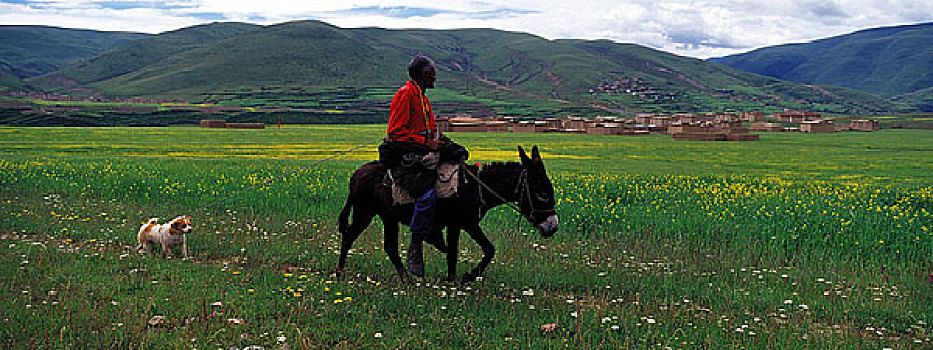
(417, 65)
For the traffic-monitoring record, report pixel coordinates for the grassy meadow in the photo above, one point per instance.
(793, 242)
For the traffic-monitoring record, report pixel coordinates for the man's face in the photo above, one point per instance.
(429, 77)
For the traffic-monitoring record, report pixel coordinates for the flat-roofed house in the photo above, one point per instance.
(213, 123)
(604, 129)
(865, 125)
(575, 123)
(497, 126)
(462, 124)
(796, 117)
(443, 124)
(530, 126)
(824, 125)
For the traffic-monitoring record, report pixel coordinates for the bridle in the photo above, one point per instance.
(522, 187)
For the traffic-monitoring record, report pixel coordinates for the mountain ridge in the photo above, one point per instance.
(888, 61)
(31, 50)
(473, 62)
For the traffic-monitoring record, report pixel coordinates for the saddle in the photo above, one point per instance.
(448, 175)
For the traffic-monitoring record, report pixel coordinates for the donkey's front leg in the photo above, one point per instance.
(390, 244)
(453, 249)
(476, 233)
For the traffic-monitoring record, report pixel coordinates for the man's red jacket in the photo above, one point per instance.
(410, 116)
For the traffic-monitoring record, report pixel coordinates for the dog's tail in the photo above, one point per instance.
(153, 221)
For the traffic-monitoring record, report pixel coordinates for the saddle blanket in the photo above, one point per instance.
(448, 175)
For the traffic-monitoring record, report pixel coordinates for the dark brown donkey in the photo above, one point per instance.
(525, 183)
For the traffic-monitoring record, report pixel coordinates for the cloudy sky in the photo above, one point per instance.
(690, 28)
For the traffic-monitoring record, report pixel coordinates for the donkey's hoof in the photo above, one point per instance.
(403, 276)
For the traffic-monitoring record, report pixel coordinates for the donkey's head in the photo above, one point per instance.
(536, 194)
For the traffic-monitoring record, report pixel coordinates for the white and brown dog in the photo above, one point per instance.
(168, 235)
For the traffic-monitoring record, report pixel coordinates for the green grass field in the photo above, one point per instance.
(795, 241)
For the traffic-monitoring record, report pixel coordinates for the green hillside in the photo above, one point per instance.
(141, 53)
(476, 66)
(885, 61)
(922, 99)
(493, 59)
(307, 53)
(10, 82)
(27, 51)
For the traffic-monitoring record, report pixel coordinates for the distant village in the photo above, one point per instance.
(68, 98)
(697, 126)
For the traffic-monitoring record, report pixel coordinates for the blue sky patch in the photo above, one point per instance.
(208, 16)
(127, 5)
(408, 12)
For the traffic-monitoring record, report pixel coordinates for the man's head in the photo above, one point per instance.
(421, 70)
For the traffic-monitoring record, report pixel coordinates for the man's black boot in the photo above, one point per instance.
(416, 258)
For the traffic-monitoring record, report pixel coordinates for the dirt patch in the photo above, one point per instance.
(678, 75)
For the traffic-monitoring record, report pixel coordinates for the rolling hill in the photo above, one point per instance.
(27, 51)
(474, 63)
(144, 52)
(887, 61)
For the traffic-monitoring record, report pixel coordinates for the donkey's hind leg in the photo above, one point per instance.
(361, 220)
(453, 247)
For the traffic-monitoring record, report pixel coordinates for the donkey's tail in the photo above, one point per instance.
(344, 219)
(361, 183)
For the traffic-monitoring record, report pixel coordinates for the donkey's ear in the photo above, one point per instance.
(522, 155)
(535, 156)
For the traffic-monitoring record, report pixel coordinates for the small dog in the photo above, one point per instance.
(168, 235)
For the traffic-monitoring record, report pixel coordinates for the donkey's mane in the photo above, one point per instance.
(502, 176)
(501, 168)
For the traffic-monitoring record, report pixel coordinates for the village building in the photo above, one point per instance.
(574, 123)
(246, 126)
(213, 123)
(697, 126)
(823, 125)
(766, 127)
(552, 124)
(865, 125)
(662, 121)
(643, 118)
(223, 124)
(752, 117)
(796, 117)
(443, 124)
(530, 126)
(497, 126)
(604, 129)
(710, 131)
(466, 124)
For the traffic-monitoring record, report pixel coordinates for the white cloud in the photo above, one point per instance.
(692, 28)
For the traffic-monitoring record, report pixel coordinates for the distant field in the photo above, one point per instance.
(795, 241)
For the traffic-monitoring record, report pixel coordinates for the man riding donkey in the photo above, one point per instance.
(412, 151)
